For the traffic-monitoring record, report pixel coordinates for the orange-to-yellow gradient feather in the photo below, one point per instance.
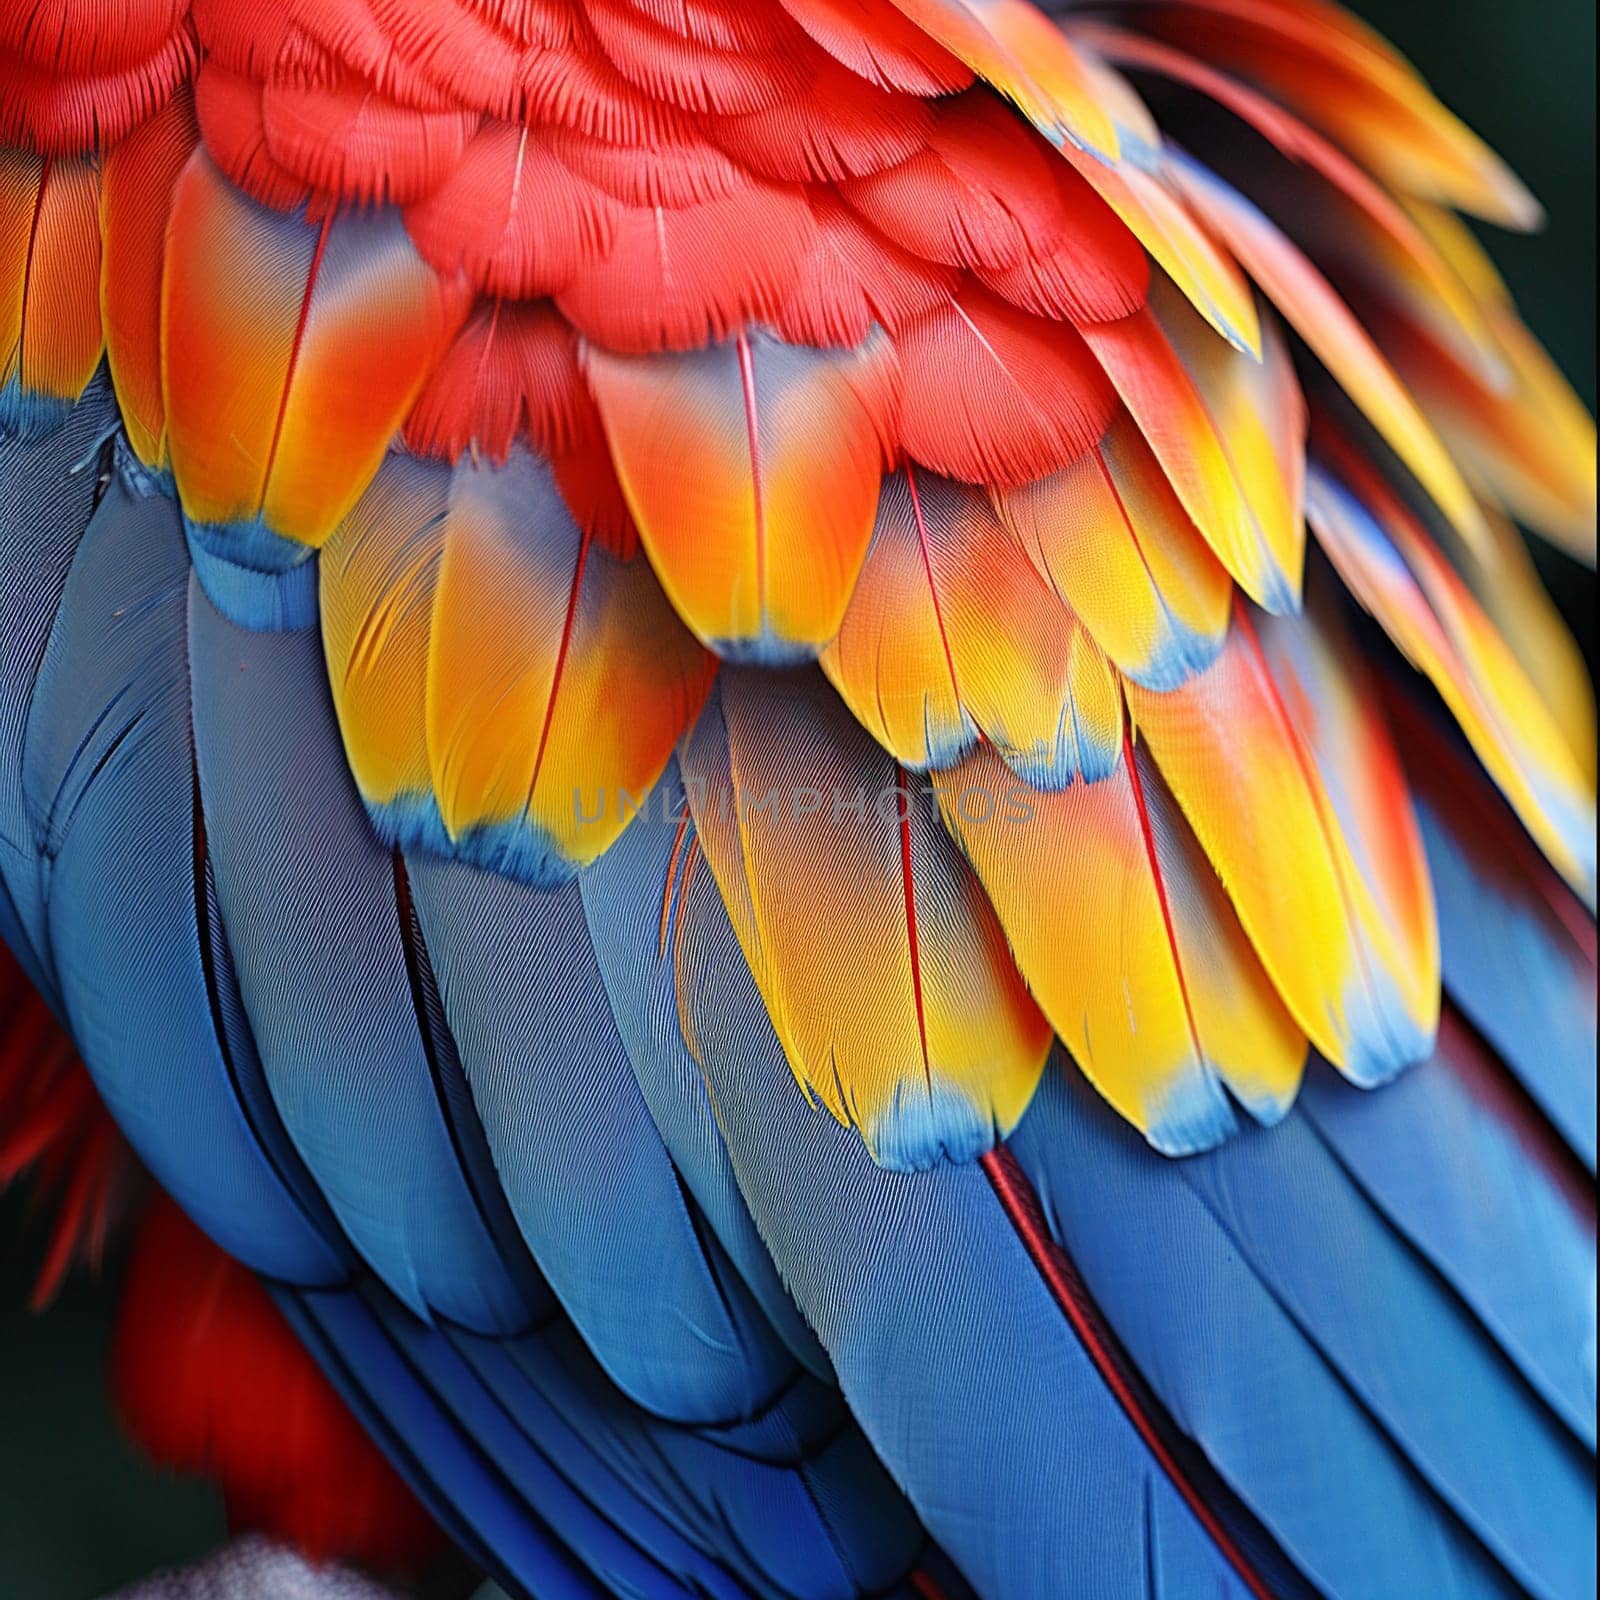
(137, 180)
(1367, 228)
(50, 338)
(1523, 438)
(1349, 82)
(1518, 605)
(1335, 706)
(506, 684)
(377, 580)
(1111, 538)
(1312, 308)
(292, 352)
(1128, 942)
(883, 967)
(1391, 566)
(1017, 49)
(953, 636)
(752, 470)
(1227, 430)
(1180, 245)
(1233, 750)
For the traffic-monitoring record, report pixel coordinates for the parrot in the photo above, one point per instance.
(786, 812)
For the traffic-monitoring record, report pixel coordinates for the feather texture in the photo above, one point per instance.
(663, 621)
(1129, 944)
(50, 339)
(336, 325)
(477, 641)
(952, 636)
(1111, 538)
(1239, 749)
(109, 781)
(752, 470)
(1397, 573)
(935, 1047)
(1229, 432)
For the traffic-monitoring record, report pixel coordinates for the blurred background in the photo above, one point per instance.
(80, 1514)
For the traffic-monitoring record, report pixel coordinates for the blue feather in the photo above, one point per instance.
(110, 790)
(552, 1468)
(308, 898)
(253, 576)
(634, 1500)
(1513, 965)
(795, 1503)
(1328, 1374)
(580, 1160)
(48, 487)
(623, 894)
(1481, 1196)
(478, 1502)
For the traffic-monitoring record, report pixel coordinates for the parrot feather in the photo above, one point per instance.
(50, 339)
(1406, 1430)
(1129, 944)
(301, 887)
(952, 635)
(1229, 431)
(337, 325)
(1111, 538)
(1247, 756)
(933, 1047)
(1391, 566)
(110, 787)
(477, 641)
(752, 471)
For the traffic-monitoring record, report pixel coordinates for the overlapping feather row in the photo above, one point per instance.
(553, 352)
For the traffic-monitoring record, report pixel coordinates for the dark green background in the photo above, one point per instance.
(78, 1514)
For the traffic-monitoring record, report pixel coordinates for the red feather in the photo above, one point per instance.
(210, 1379)
(346, 138)
(673, 66)
(588, 483)
(73, 39)
(1096, 271)
(681, 168)
(725, 24)
(55, 114)
(983, 193)
(852, 277)
(576, 87)
(995, 396)
(53, 1126)
(680, 279)
(840, 127)
(403, 45)
(228, 107)
(511, 216)
(880, 44)
(513, 369)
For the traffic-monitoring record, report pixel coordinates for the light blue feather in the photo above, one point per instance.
(583, 1168)
(308, 897)
(1328, 1374)
(48, 489)
(109, 787)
